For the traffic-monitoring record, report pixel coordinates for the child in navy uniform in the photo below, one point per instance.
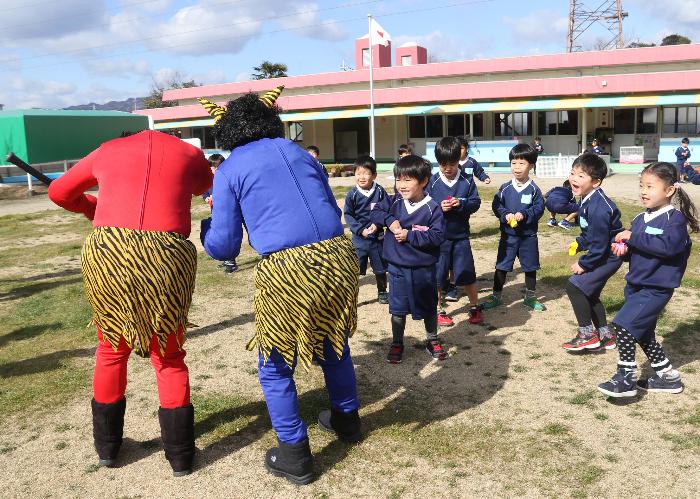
(215, 160)
(682, 157)
(538, 147)
(519, 206)
(599, 219)
(657, 246)
(417, 228)
(595, 148)
(561, 200)
(367, 237)
(458, 198)
(470, 166)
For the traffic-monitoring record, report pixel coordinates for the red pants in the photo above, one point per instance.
(172, 377)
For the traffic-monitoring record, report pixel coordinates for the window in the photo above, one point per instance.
(646, 120)
(681, 120)
(568, 122)
(433, 126)
(478, 119)
(623, 120)
(365, 58)
(205, 136)
(405, 60)
(455, 125)
(512, 124)
(547, 123)
(296, 131)
(416, 127)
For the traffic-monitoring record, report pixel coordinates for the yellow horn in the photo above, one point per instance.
(269, 98)
(214, 110)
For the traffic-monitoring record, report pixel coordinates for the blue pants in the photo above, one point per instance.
(369, 249)
(412, 290)
(524, 247)
(592, 283)
(456, 255)
(280, 391)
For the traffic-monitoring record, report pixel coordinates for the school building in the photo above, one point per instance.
(646, 97)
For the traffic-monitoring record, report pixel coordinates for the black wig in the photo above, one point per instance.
(247, 120)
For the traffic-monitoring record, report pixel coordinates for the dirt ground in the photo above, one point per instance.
(508, 414)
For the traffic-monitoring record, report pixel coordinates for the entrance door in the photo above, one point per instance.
(345, 145)
(351, 138)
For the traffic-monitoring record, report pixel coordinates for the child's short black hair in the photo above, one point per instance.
(366, 161)
(448, 150)
(463, 141)
(523, 151)
(566, 184)
(405, 149)
(413, 166)
(592, 165)
(538, 139)
(216, 158)
(685, 140)
(314, 149)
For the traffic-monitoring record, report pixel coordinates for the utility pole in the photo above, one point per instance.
(608, 14)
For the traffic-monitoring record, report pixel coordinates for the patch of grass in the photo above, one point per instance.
(683, 441)
(219, 415)
(601, 417)
(694, 419)
(92, 468)
(555, 429)
(60, 446)
(583, 398)
(590, 474)
(6, 449)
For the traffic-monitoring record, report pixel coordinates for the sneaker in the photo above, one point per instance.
(383, 298)
(453, 295)
(565, 225)
(608, 342)
(661, 384)
(476, 316)
(395, 353)
(230, 266)
(434, 348)
(581, 342)
(534, 304)
(491, 302)
(444, 320)
(552, 222)
(622, 384)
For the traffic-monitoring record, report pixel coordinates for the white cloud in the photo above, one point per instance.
(543, 27)
(306, 20)
(442, 46)
(119, 68)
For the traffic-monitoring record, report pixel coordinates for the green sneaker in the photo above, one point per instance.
(491, 302)
(533, 304)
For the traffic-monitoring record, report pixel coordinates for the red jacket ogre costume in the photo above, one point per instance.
(139, 271)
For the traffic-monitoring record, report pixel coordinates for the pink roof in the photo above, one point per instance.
(676, 81)
(620, 57)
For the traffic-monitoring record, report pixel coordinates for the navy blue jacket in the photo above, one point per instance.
(357, 209)
(682, 155)
(599, 219)
(561, 200)
(658, 250)
(280, 190)
(528, 201)
(598, 150)
(539, 148)
(456, 219)
(426, 231)
(472, 168)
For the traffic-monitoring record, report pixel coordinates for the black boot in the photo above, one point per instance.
(177, 432)
(107, 430)
(345, 425)
(291, 461)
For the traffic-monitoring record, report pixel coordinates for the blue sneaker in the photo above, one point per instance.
(565, 225)
(622, 384)
(453, 295)
(667, 383)
(552, 222)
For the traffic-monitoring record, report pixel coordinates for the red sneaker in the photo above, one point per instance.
(444, 320)
(434, 348)
(580, 342)
(395, 353)
(476, 316)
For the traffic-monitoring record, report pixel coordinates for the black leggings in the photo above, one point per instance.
(398, 326)
(587, 309)
(499, 280)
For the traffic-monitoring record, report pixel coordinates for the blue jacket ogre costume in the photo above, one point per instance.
(306, 284)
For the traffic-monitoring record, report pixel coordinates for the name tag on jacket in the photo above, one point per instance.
(526, 198)
(654, 231)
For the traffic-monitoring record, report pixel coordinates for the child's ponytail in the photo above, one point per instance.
(668, 173)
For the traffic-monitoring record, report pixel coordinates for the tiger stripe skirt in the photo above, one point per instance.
(304, 295)
(139, 283)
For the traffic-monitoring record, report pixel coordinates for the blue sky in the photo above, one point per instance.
(58, 53)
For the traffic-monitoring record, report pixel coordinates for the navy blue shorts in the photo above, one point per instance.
(524, 247)
(592, 283)
(641, 310)
(412, 290)
(457, 256)
(369, 249)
